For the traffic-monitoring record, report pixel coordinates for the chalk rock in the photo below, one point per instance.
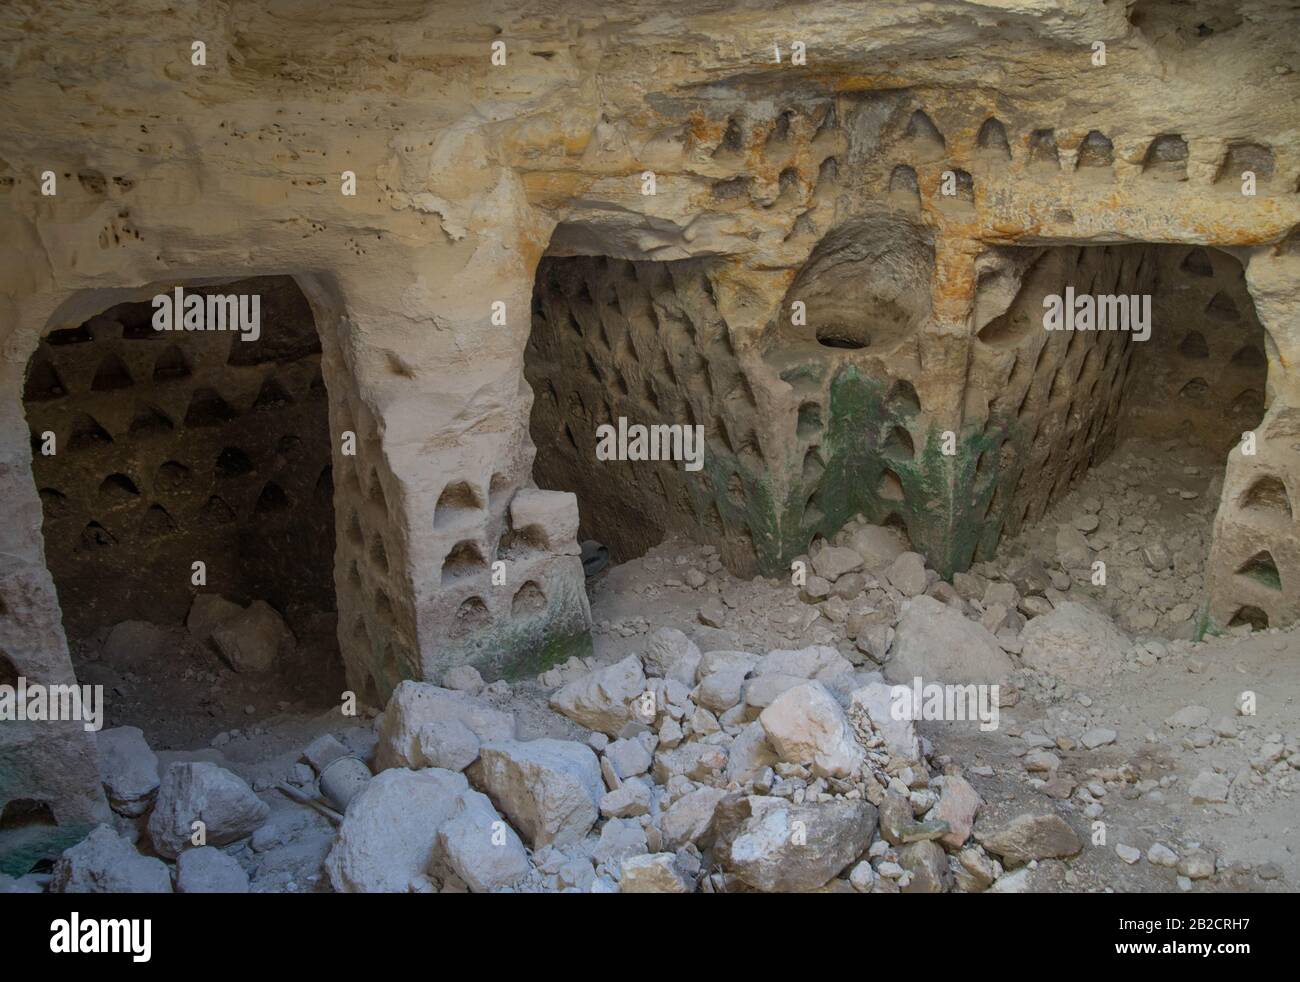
(776, 846)
(128, 769)
(1074, 643)
(958, 804)
(254, 639)
(389, 835)
(670, 654)
(907, 574)
(209, 870)
(833, 562)
(415, 705)
(1027, 837)
(447, 743)
(619, 839)
(104, 862)
(603, 700)
(208, 612)
(935, 643)
(651, 873)
(203, 792)
(878, 545)
(805, 725)
(817, 661)
(550, 790)
(876, 699)
(690, 817)
(482, 849)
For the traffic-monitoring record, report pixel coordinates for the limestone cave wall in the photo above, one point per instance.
(177, 447)
(902, 183)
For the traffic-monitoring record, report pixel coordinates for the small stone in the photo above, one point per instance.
(1198, 864)
(1097, 737)
(651, 873)
(1209, 788)
(1028, 837)
(628, 800)
(1161, 855)
(907, 574)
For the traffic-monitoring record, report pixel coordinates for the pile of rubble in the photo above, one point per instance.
(677, 769)
(718, 771)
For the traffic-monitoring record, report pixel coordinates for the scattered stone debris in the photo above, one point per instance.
(690, 759)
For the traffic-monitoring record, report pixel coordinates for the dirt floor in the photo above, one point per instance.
(1173, 708)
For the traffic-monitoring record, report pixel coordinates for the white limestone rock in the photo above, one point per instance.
(805, 725)
(482, 849)
(128, 769)
(414, 705)
(203, 792)
(105, 862)
(389, 834)
(651, 873)
(1074, 643)
(670, 654)
(935, 643)
(550, 790)
(603, 699)
(253, 640)
(209, 870)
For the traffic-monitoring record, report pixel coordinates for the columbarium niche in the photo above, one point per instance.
(154, 451)
(1059, 403)
(643, 341)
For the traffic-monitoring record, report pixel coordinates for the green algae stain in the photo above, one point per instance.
(953, 506)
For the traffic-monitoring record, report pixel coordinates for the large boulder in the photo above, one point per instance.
(805, 725)
(254, 639)
(549, 789)
(203, 792)
(104, 862)
(603, 699)
(1074, 643)
(776, 846)
(128, 770)
(414, 706)
(389, 835)
(935, 643)
(480, 847)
